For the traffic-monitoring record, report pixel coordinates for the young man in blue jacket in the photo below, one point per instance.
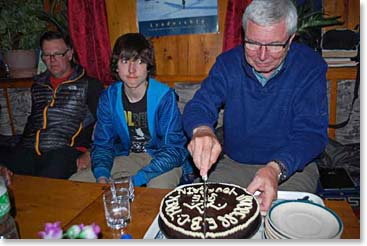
(275, 105)
(139, 126)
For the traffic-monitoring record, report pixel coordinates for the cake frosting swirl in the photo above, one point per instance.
(231, 212)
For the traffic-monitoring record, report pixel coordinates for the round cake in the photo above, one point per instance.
(231, 212)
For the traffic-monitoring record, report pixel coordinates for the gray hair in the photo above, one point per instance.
(268, 12)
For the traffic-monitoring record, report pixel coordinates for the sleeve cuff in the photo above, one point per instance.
(139, 179)
(101, 172)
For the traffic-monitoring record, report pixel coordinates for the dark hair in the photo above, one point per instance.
(133, 46)
(53, 35)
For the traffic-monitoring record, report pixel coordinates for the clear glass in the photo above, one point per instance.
(117, 208)
(122, 180)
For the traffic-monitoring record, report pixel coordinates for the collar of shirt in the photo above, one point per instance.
(264, 80)
(56, 81)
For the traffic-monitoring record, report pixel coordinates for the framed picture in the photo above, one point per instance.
(174, 17)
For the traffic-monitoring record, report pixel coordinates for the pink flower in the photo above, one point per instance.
(90, 231)
(52, 231)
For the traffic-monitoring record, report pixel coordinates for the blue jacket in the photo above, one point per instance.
(111, 138)
(284, 120)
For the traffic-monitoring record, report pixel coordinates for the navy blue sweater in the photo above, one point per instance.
(285, 120)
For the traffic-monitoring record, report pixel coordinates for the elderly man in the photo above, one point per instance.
(273, 92)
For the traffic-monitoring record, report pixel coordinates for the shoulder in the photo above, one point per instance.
(305, 56)
(157, 90)
(234, 53)
(113, 88)
(158, 86)
(230, 60)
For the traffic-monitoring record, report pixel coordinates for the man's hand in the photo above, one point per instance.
(204, 148)
(266, 181)
(83, 161)
(7, 174)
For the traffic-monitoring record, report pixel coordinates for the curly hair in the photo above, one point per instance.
(133, 46)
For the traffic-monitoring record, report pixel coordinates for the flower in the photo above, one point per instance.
(54, 231)
(90, 231)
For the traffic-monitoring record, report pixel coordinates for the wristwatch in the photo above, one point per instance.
(283, 171)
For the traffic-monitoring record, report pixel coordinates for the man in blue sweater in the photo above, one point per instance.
(275, 105)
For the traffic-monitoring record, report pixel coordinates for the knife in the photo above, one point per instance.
(205, 178)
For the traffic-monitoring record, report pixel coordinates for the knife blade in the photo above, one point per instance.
(205, 178)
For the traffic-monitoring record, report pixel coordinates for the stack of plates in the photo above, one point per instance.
(301, 220)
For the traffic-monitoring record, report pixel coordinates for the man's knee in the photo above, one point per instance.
(85, 175)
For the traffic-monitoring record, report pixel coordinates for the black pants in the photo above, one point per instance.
(58, 163)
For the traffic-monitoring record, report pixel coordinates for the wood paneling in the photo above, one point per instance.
(188, 58)
(178, 57)
(121, 16)
(349, 10)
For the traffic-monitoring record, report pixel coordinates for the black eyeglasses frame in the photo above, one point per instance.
(283, 45)
(54, 55)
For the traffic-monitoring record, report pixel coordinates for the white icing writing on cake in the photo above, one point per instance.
(241, 216)
(172, 206)
(196, 223)
(183, 219)
(242, 208)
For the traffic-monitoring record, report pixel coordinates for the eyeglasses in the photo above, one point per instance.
(56, 55)
(271, 47)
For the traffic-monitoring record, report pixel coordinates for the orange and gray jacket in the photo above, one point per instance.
(63, 116)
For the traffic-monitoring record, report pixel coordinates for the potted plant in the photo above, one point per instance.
(20, 30)
(310, 22)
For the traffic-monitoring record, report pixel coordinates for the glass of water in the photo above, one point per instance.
(122, 180)
(117, 208)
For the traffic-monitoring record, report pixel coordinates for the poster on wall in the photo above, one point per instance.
(174, 17)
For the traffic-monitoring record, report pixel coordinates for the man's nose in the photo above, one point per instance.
(262, 52)
(132, 67)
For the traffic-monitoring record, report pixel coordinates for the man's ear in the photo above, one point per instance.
(71, 54)
(291, 39)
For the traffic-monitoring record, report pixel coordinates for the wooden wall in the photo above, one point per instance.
(185, 58)
(189, 58)
(349, 10)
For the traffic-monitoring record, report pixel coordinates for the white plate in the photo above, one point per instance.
(296, 195)
(306, 220)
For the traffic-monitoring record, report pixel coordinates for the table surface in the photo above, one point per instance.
(40, 200)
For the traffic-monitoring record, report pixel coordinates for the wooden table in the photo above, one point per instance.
(144, 209)
(41, 200)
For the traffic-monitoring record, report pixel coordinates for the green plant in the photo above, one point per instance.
(57, 15)
(310, 22)
(19, 26)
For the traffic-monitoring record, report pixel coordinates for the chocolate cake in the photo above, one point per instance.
(231, 212)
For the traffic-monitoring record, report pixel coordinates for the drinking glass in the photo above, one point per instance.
(122, 180)
(117, 208)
